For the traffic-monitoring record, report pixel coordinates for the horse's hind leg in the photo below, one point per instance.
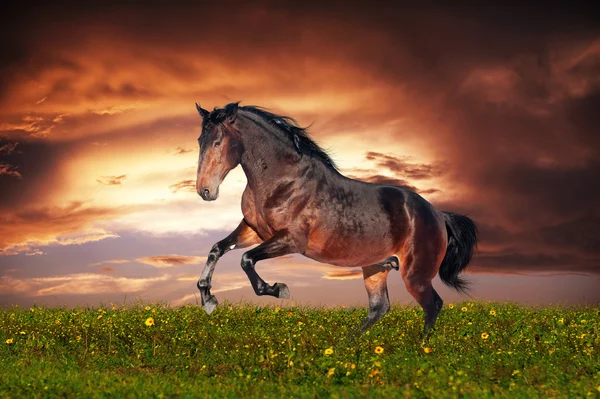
(421, 289)
(375, 277)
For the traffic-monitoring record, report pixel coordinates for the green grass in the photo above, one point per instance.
(246, 351)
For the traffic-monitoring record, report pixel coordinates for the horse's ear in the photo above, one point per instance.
(231, 112)
(203, 113)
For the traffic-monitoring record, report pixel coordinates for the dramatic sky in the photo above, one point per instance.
(490, 112)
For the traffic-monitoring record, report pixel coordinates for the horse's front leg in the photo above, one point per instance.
(282, 243)
(243, 236)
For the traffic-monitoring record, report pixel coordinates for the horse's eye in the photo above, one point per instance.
(217, 143)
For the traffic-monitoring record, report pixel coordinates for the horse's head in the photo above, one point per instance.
(220, 149)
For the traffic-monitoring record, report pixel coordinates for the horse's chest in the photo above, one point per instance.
(254, 216)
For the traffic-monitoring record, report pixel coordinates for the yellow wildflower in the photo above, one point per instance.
(485, 335)
(22, 333)
(99, 317)
(374, 373)
(9, 341)
(464, 309)
(147, 308)
(78, 338)
(451, 306)
(328, 351)
(300, 323)
(149, 321)
(331, 372)
(379, 350)
(561, 320)
(493, 312)
(427, 350)
(583, 321)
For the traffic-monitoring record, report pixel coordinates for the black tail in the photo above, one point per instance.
(462, 241)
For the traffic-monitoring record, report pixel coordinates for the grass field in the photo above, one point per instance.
(240, 351)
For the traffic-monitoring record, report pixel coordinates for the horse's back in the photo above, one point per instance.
(363, 223)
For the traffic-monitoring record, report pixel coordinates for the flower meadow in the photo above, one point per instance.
(243, 350)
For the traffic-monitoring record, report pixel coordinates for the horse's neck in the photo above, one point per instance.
(267, 160)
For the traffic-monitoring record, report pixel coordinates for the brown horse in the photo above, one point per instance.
(296, 202)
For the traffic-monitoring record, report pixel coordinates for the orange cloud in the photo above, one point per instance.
(343, 274)
(111, 180)
(42, 226)
(9, 170)
(403, 167)
(8, 148)
(185, 185)
(179, 151)
(171, 260)
(77, 284)
(492, 127)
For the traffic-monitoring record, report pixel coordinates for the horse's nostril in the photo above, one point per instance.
(205, 193)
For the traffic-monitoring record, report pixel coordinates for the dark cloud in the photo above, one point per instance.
(111, 180)
(581, 235)
(404, 168)
(36, 162)
(532, 192)
(537, 262)
(8, 148)
(9, 170)
(584, 116)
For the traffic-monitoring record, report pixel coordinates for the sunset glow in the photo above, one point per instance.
(98, 143)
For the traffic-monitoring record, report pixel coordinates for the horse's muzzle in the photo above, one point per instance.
(207, 195)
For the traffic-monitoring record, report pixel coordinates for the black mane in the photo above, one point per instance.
(298, 135)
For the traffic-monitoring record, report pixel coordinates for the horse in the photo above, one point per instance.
(297, 202)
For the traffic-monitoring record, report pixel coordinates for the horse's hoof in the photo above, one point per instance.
(284, 291)
(211, 304)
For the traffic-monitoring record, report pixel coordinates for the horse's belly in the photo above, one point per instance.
(350, 254)
(352, 260)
